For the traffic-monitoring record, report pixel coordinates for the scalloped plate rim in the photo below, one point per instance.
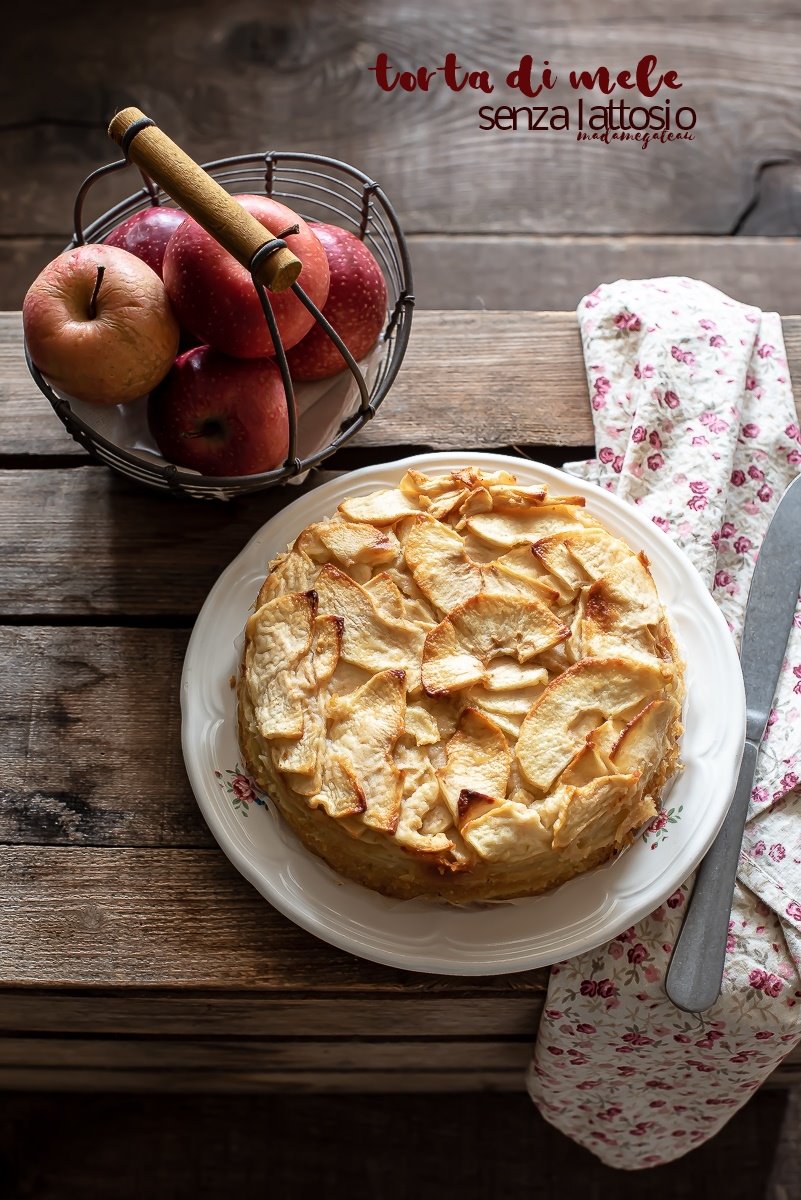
(612, 912)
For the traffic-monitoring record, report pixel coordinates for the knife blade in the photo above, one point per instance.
(695, 973)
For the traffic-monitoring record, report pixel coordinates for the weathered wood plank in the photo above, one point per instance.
(165, 1065)
(261, 1059)
(84, 542)
(469, 379)
(510, 272)
(507, 272)
(508, 1008)
(75, 917)
(114, 694)
(285, 1082)
(223, 80)
(243, 1058)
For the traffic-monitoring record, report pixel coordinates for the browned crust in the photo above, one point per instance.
(472, 804)
(405, 876)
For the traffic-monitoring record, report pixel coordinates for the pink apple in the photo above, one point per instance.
(214, 296)
(356, 307)
(221, 415)
(99, 325)
(146, 234)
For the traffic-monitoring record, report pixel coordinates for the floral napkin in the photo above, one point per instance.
(695, 423)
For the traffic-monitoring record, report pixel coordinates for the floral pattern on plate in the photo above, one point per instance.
(240, 789)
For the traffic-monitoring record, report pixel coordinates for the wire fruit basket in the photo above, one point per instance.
(316, 188)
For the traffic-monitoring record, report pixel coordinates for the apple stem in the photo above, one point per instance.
(93, 302)
(289, 230)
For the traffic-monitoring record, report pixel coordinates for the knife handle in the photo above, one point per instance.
(695, 973)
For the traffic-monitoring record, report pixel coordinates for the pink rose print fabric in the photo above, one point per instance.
(695, 424)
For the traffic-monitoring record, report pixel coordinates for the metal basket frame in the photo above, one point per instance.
(362, 205)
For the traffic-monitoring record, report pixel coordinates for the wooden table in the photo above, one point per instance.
(495, 218)
(132, 955)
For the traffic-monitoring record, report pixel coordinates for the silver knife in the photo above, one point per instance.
(696, 969)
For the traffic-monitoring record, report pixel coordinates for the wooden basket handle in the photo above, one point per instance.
(202, 197)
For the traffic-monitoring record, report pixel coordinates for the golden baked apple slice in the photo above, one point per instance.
(383, 507)
(521, 563)
(386, 595)
(507, 709)
(644, 740)
(340, 794)
(279, 636)
(447, 505)
(508, 675)
(446, 575)
(293, 571)
(477, 501)
(439, 564)
(584, 806)
(303, 755)
(459, 650)
(416, 484)
(564, 556)
(477, 765)
(504, 583)
(596, 551)
(363, 728)
(604, 739)
(515, 498)
(577, 701)
(424, 816)
(621, 611)
(588, 764)
(507, 530)
(356, 542)
(509, 832)
(421, 726)
(369, 640)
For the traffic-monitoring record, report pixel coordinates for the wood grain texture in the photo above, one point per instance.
(114, 695)
(509, 271)
(403, 1064)
(287, 1081)
(469, 380)
(103, 917)
(425, 1007)
(226, 79)
(263, 1058)
(87, 542)
(222, 1081)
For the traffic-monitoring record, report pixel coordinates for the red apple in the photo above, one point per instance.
(221, 415)
(99, 325)
(356, 307)
(146, 234)
(214, 296)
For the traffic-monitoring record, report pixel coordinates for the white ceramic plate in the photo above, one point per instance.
(423, 936)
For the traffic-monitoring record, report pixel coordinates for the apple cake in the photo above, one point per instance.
(461, 688)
